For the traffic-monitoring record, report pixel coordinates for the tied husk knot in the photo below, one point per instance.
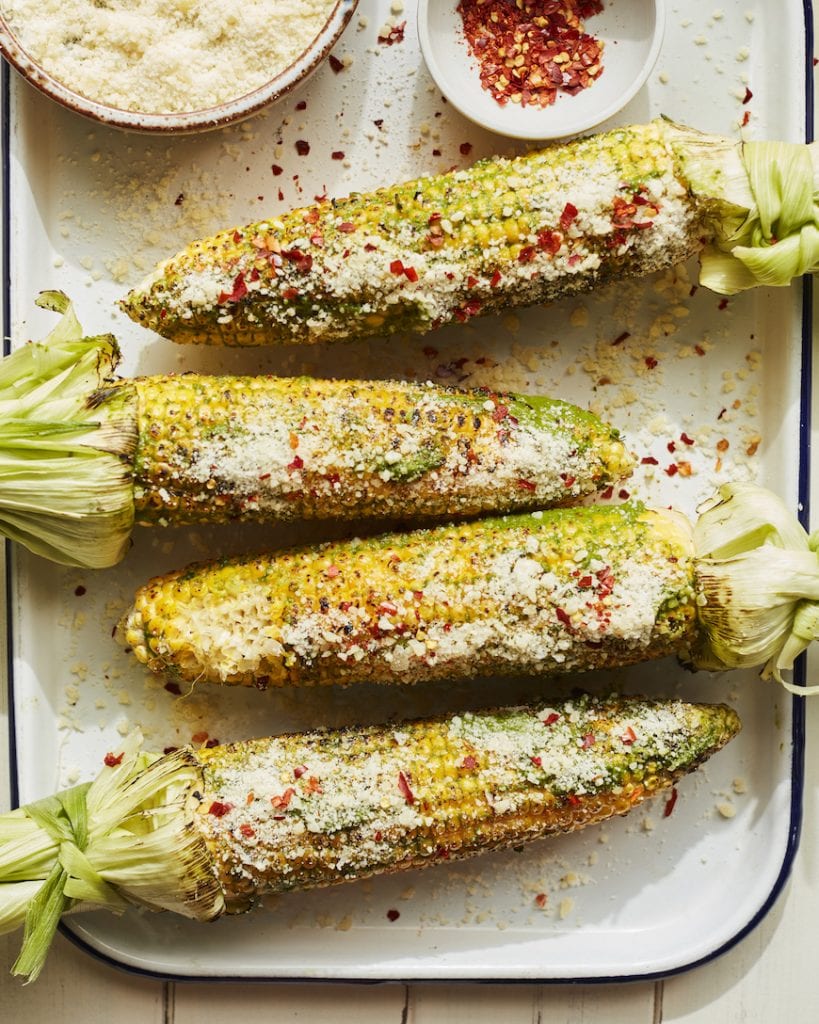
(758, 583)
(128, 838)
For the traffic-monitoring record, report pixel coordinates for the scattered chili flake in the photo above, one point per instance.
(605, 495)
(394, 35)
(746, 117)
(302, 147)
(562, 616)
(336, 64)
(297, 463)
(629, 736)
(247, 830)
(551, 718)
(239, 290)
(199, 737)
(404, 787)
(337, 154)
(469, 762)
(670, 802)
(112, 760)
(397, 268)
(301, 105)
(541, 899)
(621, 338)
(80, 591)
(623, 494)
(218, 809)
(588, 740)
(465, 148)
(722, 304)
(276, 169)
(524, 485)
(685, 468)
(281, 802)
(393, 915)
(567, 216)
(528, 52)
(748, 95)
(671, 470)
(332, 571)
(686, 439)
(495, 280)
(648, 460)
(651, 362)
(536, 761)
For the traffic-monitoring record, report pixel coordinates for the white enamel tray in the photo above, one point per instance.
(89, 210)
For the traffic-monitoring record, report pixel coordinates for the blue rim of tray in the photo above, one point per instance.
(798, 704)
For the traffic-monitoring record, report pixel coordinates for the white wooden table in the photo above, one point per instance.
(768, 978)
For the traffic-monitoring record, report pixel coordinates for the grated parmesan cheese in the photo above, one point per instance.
(158, 57)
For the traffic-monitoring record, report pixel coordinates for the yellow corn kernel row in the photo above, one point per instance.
(435, 250)
(563, 590)
(309, 810)
(219, 449)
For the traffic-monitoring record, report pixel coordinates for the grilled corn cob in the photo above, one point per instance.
(211, 831)
(544, 225)
(190, 448)
(559, 591)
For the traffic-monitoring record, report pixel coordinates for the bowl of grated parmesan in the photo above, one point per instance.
(169, 65)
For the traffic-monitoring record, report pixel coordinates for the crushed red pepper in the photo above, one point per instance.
(530, 50)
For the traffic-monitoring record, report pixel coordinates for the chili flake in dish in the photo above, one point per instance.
(529, 50)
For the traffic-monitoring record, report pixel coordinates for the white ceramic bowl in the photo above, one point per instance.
(194, 121)
(632, 31)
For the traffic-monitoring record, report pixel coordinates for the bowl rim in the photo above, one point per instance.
(536, 133)
(203, 119)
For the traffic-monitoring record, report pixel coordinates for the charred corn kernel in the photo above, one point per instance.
(566, 590)
(439, 249)
(219, 449)
(308, 810)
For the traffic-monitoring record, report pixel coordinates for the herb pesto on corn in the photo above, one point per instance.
(211, 831)
(504, 232)
(555, 591)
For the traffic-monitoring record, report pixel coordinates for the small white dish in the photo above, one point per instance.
(632, 33)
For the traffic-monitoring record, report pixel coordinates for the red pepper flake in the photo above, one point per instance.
(239, 291)
(568, 216)
(313, 785)
(572, 799)
(670, 802)
(549, 241)
(629, 736)
(536, 761)
(465, 148)
(336, 64)
(80, 591)
(526, 254)
(699, 350)
(112, 760)
(337, 154)
(584, 582)
(404, 787)
(173, 688)
(551, 718)
(649, 460)
(623, 494)
(495, 280)
(276, 170)
(686, 439)
(302, 147)
(471, 281)
(748, 95)
(525, 485)
(301, 105)
(290, 293)
(469, 763)
(297, 463)
(588, 740)
(248, 831)
(218, 809)
(199, 737)
(651, 362)
(605, 495)
(301, 260)
(671, 446)
(411, 274)
(280, 803)
(672, 470)
(722, 304)
(393, 915)
(395, 35)
(621, 338)
(563, 617)
(541, 900)
(746, 117)
(332, 571)
(397, 268)
(515, 45)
